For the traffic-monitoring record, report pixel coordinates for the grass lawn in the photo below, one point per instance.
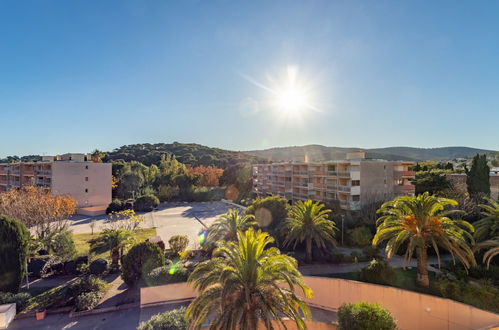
(82, 241)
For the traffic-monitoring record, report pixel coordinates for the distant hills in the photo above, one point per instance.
(316, 152)
(196, 154)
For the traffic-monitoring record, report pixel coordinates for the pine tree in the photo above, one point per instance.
(477, 178)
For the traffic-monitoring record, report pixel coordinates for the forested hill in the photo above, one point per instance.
(187, 153)
(322, 153)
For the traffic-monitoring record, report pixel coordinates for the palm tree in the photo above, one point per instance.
(227, 226)
(308, 221)
(422, 222)
(244, 282)
(488, 226)
(493, 245)
(115, 240)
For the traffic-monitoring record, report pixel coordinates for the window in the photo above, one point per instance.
(356, 198)
(86, 190)
(399, 182)
(384, 167)
(355, 182)
(86, 167)
(86, 178)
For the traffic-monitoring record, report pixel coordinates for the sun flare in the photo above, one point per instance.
(291, 100)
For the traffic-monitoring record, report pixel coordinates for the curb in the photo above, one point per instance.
(47, 312)
(104, 310)
(226, 201)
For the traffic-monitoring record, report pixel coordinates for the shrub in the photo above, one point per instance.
(365, 316)
(98, 266)
(171, 320)
(115, 206)
(167, 275)
(139, 260)
(63, 245)
(370, 252)
(481, 296)
(146, 203)
(36, 266)
(167, 193)
(277, 206)
(361, 236)
(20, 299)
(178, 243)
(379, 272)
(88, 300)
(14, 239)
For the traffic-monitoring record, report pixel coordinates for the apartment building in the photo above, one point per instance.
(458, 181)
(351, 183)
(89, 183)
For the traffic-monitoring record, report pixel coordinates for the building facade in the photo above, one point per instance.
(458, 181)
(352, 183)
(89, 183)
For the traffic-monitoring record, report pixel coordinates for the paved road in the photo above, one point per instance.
(170, 219)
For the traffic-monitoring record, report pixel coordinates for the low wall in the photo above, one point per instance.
(412, 310)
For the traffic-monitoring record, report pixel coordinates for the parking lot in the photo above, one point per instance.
(169, 219)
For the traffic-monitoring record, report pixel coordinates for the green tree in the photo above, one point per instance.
(141, 259)
(308, 222)
(14, 245)
(114, 240)
(477, 177)
(433, 181)
(243, 283)
(227, 226)
(423, 222)
(488, 226)
(270, 213)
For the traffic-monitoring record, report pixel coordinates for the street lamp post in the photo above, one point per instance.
(342, 227)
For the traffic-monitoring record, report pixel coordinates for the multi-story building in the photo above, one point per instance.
(89, 183)
(458, 181)
(352, 183)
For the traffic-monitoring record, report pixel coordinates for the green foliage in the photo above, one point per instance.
(87, 301)
(167, 192)
(146, 203)
(98, 266)
(433, 182)
(141, 259)
(14, 245)
(170, 320)
(308, 222)
(365, 316)
(227, 226)
(242, 283)
(488, 226)
(20, 299)
(481, 296)
(361, 236)
(63, 245)
(238, 180)
(172, 273)
(116, 206)
(115, 240)
(477, 177)
(378, 272)
(270, 214)
(178, 243)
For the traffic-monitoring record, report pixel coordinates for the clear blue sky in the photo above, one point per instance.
(79, 75)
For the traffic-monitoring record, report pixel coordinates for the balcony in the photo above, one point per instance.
(344, 188)
(301, 184)
(319, 186)
(404, 174)
(344, 173)
(316, 173)
(335, 173)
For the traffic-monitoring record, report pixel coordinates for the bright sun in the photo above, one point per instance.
(291, 100)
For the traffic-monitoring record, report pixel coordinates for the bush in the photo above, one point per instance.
(63, 245)
(14, 239)
(88, 300)
(481, 296)
(178, 243)
(365, 316)
(141, 259)
(115, 206)
(20, 299)
(36, 265)
(98, 266)
(167, 275)
(361, 236)
(272, 221)
(171, 320)
(379, 272)
(146, 203)
(167, 193)
(370, 252)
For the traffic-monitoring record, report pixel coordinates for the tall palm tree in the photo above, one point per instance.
(244, 282)
(226, 226)
(422, 222)
(308, 221)
(115, 240)
(489, 225)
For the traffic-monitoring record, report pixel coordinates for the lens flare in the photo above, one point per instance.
(202, 237)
